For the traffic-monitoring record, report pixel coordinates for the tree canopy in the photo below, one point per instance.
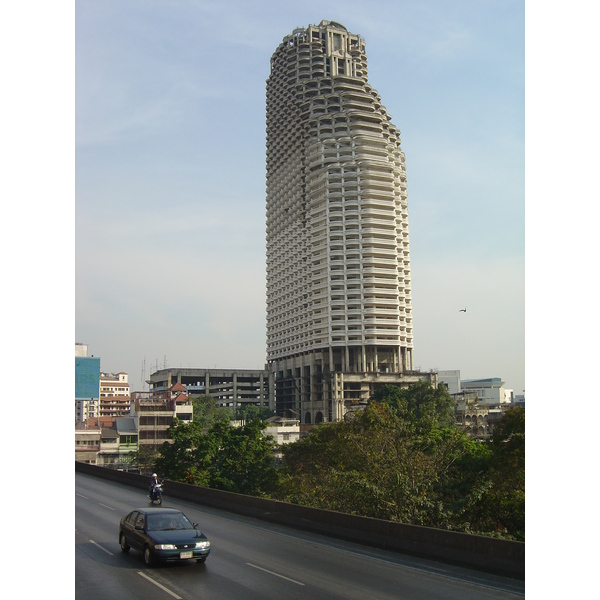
(237, 459)
(251, 412)
(420, 406)
(401, 458)
(373, 465)
(207, 412)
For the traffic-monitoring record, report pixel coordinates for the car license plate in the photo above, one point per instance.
(186, 554)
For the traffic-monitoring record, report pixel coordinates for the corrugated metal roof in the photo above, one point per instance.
(126, 424)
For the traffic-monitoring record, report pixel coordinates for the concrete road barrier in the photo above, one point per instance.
(492, 555)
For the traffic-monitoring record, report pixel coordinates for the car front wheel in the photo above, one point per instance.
(201, 560)
(124, 544)
(148, 559)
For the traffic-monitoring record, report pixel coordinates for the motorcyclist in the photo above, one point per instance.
(153, 484)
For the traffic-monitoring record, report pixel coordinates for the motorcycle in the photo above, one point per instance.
(155, 494)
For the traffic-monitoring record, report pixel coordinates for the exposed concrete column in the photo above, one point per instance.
(297, 384)
(235, 392)
(207, 383)
(342, 405)
(313, 392)
(262, 389)
(409, 359)
(337, 396)
(331, 396)
(271, 391)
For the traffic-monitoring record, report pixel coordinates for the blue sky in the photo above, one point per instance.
(170, 176)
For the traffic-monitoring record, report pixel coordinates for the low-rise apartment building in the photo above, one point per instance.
(156, 410)
(87, 442)
(108, 442)
(282, 430)
(475, 417)
(115, 398)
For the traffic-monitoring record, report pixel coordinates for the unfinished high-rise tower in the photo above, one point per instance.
(339, 312)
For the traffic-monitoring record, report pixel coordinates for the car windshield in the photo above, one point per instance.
(168, 522)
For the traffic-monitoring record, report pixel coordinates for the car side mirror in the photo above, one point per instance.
(195, 525)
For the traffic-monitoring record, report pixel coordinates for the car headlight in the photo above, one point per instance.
(203, 544)
(165, 547)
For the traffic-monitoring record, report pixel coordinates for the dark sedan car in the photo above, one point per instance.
(163, 534)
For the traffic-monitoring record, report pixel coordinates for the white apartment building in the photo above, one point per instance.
(489, 391)
(339, 307)
(86, 409)
(115, 398)
(283, 431)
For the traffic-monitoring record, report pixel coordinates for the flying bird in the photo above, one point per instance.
(463, 310)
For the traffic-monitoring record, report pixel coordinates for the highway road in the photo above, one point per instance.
(252, 560)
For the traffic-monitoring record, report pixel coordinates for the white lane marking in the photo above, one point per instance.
(276, 574)
(109, 507)
(162, 587)
(101, 548)
(81, 496)
(398, 562)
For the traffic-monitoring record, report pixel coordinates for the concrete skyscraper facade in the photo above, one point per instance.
(339, 308)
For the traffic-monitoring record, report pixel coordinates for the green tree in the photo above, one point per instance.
(207, 412)
(187, 457)
(251, 412)
(507, 496)
(244, 461)
(237, 459)
(420, 405)
(467, 482)
(486, 490)
(145, 458)
(403, 459)
(374, 464)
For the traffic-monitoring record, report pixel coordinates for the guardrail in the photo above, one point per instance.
(492, 555)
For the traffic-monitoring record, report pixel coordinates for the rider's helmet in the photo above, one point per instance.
(154, 475)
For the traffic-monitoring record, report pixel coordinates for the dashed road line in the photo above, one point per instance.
(276, 574)
(162, 587)
(101, 548)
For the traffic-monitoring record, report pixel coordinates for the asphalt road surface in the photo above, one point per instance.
(251, 560)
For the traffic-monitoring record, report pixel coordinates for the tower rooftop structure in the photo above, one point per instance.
(339, 307)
